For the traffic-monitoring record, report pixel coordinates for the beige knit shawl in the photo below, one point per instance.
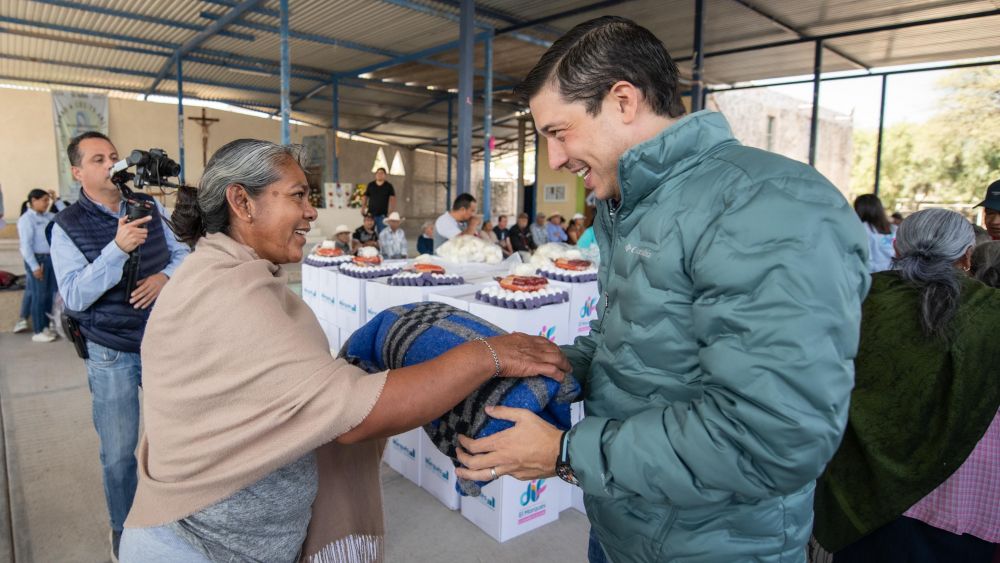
(238, 381)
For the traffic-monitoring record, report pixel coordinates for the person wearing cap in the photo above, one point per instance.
(575, 229)
(342, 237)
(392, 239)
(991, 210)
(539, 232)
(554, 231)
(365, 235)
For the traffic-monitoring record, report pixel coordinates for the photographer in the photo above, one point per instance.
(91, 243)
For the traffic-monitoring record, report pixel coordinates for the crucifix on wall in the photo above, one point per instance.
(205, 123)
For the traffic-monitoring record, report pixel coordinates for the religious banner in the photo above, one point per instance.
(75, 113)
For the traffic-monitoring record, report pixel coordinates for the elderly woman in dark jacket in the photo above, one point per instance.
(925, 396)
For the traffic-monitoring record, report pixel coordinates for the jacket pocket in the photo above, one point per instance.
(631, 529)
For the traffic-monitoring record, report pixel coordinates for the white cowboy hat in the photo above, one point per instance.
(341, 229)
(394, 216)
(578, 216)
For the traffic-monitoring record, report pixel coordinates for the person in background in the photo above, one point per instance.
(915, 477)
(986, 263)
(982, 235)
(587, 238)
(91, 243)
(991, 210)
(461, 220)
(425, 242)
(503, 235)
(880, 231)
(575, 229)
(539, 230)
(37, 263)
(379, 200)
(392, 239)
(896, 218)
(3, 223)
(342, 238)
(520, 238)
(554, 231)
(487, 233)
(365, 235)
(57, 203)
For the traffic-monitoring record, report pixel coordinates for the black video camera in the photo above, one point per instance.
(152, 168)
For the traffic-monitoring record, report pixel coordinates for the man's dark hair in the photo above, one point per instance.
(73, 150)
(586, 62)
(463, 201)
(382, 170)
(501, 218)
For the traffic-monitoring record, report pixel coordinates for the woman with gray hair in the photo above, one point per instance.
(258, 444)
(925, 395)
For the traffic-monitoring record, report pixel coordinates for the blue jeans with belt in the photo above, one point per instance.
(114, 378)
(40, 292)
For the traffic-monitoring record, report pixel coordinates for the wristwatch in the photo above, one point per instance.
(563, 469)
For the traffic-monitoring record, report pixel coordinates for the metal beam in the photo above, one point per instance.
(409, 58)
(697, 101)
(851, 33)
(202, 36)
(423, 9)
(748, 4)
(487, 128)
(335, 125)
(466, 56)
(180, 115)
(286, 68)
(176, 24)
(390, 119)
(309, 37)
(814, 121)
(504, 17)
(451, 112)
(561, 15)
(881, 127)
(233, 3)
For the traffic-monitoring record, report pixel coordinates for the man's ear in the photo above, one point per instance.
(624, 99)
(76, 172)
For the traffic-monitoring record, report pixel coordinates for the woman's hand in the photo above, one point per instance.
(521, 355)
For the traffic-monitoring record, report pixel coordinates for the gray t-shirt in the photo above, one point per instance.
(446, 228)
(265, 522)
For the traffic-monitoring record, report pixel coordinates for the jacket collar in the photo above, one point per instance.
(646, 166)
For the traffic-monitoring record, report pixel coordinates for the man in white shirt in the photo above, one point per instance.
(461, 220)
(392, 239)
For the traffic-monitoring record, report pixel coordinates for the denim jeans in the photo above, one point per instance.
(379, 223)
(595, 553)
(42, 293)
(157, 545)
(26, 301)
(114, 378)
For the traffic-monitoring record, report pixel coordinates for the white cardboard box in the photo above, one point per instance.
(402, 453)
(309, 290)
(437, 473)
(508, 507)
(459, 297)
(583, 299)
(381, 296)
(326, 284)
(350, 304)
(549, 321)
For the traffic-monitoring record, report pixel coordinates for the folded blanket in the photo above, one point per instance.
(410, 334)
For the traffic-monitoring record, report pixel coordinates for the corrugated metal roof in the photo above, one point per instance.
(89, 45)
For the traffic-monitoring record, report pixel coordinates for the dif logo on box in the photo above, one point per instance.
(548, 332)
(409, 452)
(444, 474)
(589, 307)
(532, 496)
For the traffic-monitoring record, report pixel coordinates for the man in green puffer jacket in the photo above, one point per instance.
(718, 374)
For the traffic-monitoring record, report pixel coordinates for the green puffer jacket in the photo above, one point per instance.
(718, 374)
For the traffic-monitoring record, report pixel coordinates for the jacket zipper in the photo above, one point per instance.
(611, 249)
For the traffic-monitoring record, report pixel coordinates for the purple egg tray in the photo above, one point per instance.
(324, 264)
(533, 302)
(427, 279)
(369, 273)
(569, 278)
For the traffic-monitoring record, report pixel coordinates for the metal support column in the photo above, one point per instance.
(487, 126)
(881, 125)
(467, 31)
(180, 115)
(521, 138)
(451, 136)
(335, 124)
(698, 63)
(814, 123)
(286, 67)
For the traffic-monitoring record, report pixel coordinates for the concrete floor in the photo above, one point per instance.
(52, 505)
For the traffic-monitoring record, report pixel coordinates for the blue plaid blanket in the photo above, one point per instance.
(410, 334)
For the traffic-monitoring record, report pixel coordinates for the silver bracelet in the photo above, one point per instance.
(496, 360)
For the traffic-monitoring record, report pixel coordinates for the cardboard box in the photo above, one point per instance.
(583, 299)
(402, 453)
(460, 296)
(508, 507)
(326, 284)
(350, 304)
(381, 296)
(310, 293)
(437, 473)
(550, 321)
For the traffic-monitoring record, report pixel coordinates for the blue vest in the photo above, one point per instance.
(111, 321)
